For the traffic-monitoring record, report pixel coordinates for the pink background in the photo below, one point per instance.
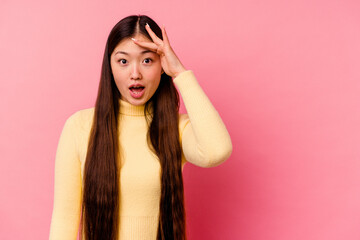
(284, 76)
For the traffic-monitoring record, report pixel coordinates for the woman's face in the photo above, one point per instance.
(136, 70)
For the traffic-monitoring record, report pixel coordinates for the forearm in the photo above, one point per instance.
(205, 139)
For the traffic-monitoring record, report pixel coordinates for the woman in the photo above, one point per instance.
(119, 164)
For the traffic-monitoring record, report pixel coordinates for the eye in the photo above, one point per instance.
(148, 59)
(122, 61)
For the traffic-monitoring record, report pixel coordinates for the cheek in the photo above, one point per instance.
(155, 74)
(155, 78)
(119, 77)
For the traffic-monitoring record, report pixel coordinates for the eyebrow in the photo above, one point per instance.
(143, 52)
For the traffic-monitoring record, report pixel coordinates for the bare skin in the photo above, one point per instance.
(170, 63)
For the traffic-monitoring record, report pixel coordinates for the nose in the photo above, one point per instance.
(135, 71)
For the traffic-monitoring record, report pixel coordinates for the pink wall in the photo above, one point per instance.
(284, 75)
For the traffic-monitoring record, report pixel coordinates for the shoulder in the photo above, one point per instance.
(183, 122)
(81, 119)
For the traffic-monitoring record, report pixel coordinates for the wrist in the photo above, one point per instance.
(180, 71)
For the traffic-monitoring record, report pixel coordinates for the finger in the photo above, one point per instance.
(149, 45)
(155, 38)
(165, 37)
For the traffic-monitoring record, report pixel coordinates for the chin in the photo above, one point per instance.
(137, 102)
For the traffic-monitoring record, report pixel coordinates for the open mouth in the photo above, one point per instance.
(137, 92)
(136, 89)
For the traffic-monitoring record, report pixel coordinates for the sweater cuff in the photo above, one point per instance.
(186, 81)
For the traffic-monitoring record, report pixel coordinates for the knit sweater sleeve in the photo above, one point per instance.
(67, 187)
(204, 138)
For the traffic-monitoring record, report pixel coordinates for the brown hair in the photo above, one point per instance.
(100, 209)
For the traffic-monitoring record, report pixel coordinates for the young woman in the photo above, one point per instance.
(118, 167)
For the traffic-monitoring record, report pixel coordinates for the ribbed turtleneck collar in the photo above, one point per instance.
(127, 108)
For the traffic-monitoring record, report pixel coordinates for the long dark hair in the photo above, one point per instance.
(100, 208)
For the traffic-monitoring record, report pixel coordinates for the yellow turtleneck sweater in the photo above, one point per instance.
(204, 139)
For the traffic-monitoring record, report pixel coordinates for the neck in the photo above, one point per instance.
(127, 108)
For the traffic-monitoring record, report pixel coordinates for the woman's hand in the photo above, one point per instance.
(169, 61)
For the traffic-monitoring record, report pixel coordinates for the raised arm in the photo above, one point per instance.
(205, 139)
(67, 188)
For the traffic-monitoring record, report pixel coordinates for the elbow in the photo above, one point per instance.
(220, 154)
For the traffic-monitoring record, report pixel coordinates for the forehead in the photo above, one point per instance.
(127, 45)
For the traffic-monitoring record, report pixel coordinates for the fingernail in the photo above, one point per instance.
(133, 39)
(148, 24)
